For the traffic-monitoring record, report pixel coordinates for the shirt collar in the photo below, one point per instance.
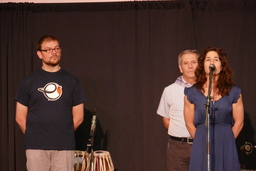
(180, 81)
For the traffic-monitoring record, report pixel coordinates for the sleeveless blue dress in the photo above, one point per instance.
(223, 152)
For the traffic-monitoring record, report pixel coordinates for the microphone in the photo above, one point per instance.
(93, 126)
(92, 132)
(212, 67)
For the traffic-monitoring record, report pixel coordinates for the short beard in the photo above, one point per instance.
(50, 63)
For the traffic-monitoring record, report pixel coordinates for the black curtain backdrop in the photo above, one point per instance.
(124, 55)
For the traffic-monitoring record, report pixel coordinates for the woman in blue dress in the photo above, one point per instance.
(226, 114)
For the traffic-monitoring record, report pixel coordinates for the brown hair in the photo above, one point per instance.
(46, 38)
(224, 82)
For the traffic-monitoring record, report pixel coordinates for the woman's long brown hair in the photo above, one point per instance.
(225, 82)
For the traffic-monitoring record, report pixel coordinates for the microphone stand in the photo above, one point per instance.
(91, 140)
(207, 121)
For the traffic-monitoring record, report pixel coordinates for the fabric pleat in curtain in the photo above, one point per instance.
(16, 62)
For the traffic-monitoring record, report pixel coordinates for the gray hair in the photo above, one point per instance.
(186, 52)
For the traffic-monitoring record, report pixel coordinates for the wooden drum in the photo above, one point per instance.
(81, 161)
(102, 161)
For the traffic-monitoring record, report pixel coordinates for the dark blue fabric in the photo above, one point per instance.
(50, 98)
(223, 153)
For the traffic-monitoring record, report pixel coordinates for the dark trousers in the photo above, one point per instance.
(178, 155)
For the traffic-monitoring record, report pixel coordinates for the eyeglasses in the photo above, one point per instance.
(57, 49)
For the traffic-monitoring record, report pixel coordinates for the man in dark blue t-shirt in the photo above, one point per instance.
(49, 108)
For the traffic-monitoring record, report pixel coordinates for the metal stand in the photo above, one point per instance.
(207, 122)
(90, 144)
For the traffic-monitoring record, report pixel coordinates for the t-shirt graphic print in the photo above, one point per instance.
(52, 91)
